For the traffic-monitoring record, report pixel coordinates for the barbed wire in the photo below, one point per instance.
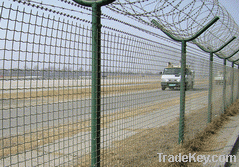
(107, 17)
(53, 9)
(45, 8)
(63, 11)
(183, 19)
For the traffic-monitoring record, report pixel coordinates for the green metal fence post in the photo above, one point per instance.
(232, 88)
(209, 118)
(224, 85)
(96, 79)
(182, 92)
(96, 76)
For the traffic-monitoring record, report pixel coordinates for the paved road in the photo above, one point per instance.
(16, 118)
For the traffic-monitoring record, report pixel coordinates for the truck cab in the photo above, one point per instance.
(171, 78)
(219, 78)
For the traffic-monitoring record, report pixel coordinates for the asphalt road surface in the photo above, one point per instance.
(19, 116)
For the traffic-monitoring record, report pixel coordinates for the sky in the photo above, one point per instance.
(232, 7)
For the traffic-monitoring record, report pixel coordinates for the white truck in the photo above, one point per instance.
(219, 78)
(171, 77)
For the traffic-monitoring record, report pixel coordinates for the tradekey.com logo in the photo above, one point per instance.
(196, 158)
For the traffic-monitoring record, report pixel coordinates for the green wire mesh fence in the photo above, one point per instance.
(217, 104)
(45, 84)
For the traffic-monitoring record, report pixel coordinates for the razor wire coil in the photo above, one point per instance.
(210, 40)
(182, 19)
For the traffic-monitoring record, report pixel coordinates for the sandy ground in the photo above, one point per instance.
(141, 149)
(132, 145)
(55, 146)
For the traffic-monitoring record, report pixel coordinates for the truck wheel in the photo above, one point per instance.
(163, 88)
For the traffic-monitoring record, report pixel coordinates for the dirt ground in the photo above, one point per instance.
(142, 148)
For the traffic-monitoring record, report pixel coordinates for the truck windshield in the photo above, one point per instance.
(173, 71)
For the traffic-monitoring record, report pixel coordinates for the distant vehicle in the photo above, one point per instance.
(219, 78)
(104, 75)
(171, 77)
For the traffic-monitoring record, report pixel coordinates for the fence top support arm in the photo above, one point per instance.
(203, 29)
(223, 46)
(236, 61)
(91, 2)
(232, 55)
(165, 31)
